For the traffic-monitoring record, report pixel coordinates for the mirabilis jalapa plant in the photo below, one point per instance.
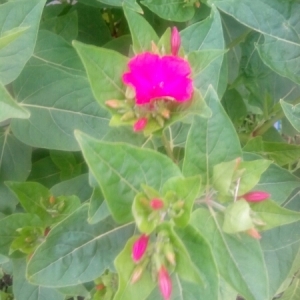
(180, 184)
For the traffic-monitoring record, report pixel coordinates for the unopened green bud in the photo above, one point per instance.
(178, 205)
(160, 121)
(170, 254)
(130, 93)
(115, 103)
(129, 115)
(137, 274)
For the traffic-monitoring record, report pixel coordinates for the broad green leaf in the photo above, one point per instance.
(281, 56)
(278, 23)
(67, 163)
(281, 153)
(132, 4)
(186, 190)
(274, 215)
(9, 36)
(125, 268)
(226, 292)
(120, 169)
(105, 81)
(98, 209)
(292, 112)
(15, 164)
(234, 106)
(33, 197)
(252, 171)
(53, 87)
(207, 35)
(78, 186)
(222, 176)
(214, 143)
(22, 289)
(275, 180)
(92, 29)
(293, 291)
(59, 262)
(15, 17)
(281, 248)
(141, 31)
(237, 217)
(172, 10)
(202, 258)
(75, 290)
(9, 226)
(9, 108)
(45, 172)
(239, 258)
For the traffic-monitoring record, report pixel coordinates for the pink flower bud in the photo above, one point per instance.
(165, 283)
(254, 233)
(140, 124)
(175, 41)
(156, 204)
(256, 196)
(139, 247)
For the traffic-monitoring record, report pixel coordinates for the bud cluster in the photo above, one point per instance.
(157, 256)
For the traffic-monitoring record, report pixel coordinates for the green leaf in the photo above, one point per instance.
(78, 186)
(22, 289)
(252, 171)
(239, 258)
(19, 21)
(275, 180)
(11, 35)
(105, 81)
(98, 209)
(9, 226)
(216, 142)
(120, 169)
(58, 261)
(202, 258)
(141, 31)
(132, 4)
(281, 47)
(9, 108)
(172, 10)
(185, 267)
(186, 190)
(293, 291)
(281, 249)
(33, 197)
(203, 36)
(292, 112)
(237, 217)
(222, 176)
(125, 268)
(274, 215)
(67, 164)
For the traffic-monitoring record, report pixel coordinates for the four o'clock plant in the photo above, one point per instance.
(149, 150)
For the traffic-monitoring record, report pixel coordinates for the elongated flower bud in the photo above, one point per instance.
(156, 204)
(254, 233)
(114, 103)
(139, 247)
(256, 196)
(165, 283)
(137, 274)
(140, 124)
(175, 41)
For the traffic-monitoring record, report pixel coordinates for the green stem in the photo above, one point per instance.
(111, 22)
(168, 147)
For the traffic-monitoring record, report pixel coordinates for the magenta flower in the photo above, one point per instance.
(139, 247)
(256, 196)
(153, 76)
(165, 283)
